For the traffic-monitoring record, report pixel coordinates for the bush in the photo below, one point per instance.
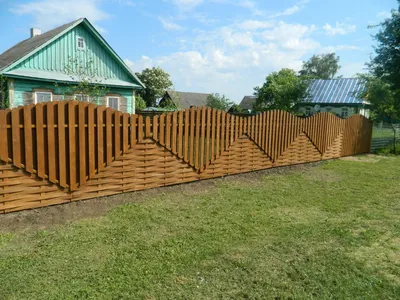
(389, 150)
(140, 104)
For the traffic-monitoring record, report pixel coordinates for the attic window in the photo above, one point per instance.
(80, 42)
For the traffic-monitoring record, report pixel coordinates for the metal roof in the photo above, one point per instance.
(335, 91)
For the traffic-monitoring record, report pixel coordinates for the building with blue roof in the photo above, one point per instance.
(338, 96)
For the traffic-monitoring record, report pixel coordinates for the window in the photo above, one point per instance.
(328, 109)
(82, 97)
(308, 111)
(80, 41)
(43, 97)
(113, 102)
(345, 112)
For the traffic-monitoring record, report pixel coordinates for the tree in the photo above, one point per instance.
(383, 100)
(281, 90)
(157, 81)
(236, 108)
(218, 101)
(386, 63)
(3, 93)
(88, 86)
(383, 81)
(324, 66)
(140, 104)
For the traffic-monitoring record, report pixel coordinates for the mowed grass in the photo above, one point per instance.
(325, 232)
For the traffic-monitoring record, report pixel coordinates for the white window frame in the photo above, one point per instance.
(82, 95)
(115, 97)
(43, 92)
(77, 43)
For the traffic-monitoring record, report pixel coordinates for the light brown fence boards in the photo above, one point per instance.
(63, 151)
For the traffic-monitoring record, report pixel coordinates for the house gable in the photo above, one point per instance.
(49, 61)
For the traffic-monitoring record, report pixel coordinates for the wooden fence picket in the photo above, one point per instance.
(70, 143)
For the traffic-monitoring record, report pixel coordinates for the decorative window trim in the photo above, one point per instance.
(115, 97)
(77, 43)
(42, 92)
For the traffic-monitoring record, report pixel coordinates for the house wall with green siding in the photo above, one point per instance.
(24, 93)
(56, 56)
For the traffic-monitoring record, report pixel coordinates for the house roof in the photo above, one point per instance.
(30, 46)
(325, 91)
(335, 91)
(187, 100)
(24, 47)
(247, 102)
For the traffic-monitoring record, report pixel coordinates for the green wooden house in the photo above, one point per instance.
(51, 66)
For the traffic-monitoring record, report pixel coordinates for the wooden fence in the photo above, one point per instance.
(58, 152)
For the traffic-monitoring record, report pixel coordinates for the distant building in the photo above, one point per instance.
(337, 96)
(184, 99)
(247, 103)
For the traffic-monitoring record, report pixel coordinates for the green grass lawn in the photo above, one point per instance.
(325, 232)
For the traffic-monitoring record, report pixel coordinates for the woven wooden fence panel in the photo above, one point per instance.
(64, 151)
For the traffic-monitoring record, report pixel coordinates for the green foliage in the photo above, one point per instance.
(382, 98)
(389, 150)
(383, 81)
(4, 103)
(236, 108)
(385, 64)
(140, 104)
(157, 82)
(281, 90)
(88, 83)
(218, 101)
(324, 66)
(171, 102)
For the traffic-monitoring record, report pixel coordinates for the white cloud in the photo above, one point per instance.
(170, 25)
(255, 25)
(291, 10)
(351, 69)
(234, 59)
(252, 6)
(287, 12)
(339, 29)
(186, 5)
(384, 14)
(51, 13)
(331, 49)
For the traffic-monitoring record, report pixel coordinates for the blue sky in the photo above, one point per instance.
(219, 46)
